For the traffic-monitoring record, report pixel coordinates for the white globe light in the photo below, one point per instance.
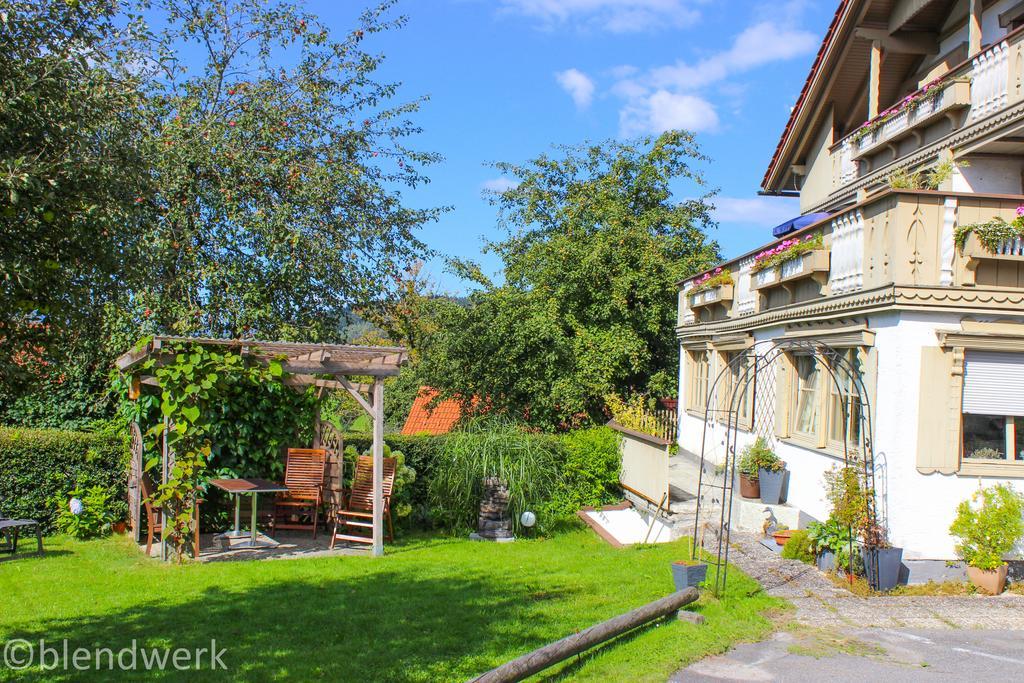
(527, 519)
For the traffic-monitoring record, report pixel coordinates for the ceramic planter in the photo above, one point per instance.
(749, 488)
(771, 485)
(782, 537)
(888, 566)
(119, 527)
(687, 574)
(826, 561)
(991, 581)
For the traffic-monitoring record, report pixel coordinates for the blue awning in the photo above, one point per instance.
(794, 224)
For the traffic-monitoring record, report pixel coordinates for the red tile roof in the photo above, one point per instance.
(438, 420)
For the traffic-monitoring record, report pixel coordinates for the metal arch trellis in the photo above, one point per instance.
(754, 370)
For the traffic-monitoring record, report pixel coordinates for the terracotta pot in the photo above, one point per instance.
(119, 527)
(991, 581)
(749, 488)
(782, 536)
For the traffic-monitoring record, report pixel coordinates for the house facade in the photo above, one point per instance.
(906, 148)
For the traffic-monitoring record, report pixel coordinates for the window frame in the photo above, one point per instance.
(696, 405)
(821, 439)
(744, 420)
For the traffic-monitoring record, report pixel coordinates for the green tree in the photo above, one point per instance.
(71, 172)
(595, 247)
(277, 163)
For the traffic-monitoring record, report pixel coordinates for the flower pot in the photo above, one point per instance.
(686, 574)
(749, 488)
(771, 485)
(888, 565)
(782, 537)
(119, 527)
(826, 561)
(991, 581)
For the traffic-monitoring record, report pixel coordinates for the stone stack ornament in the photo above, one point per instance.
(494, 523)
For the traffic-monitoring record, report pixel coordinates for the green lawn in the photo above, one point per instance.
(431, 609)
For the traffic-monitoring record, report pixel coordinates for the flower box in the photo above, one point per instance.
(688, 574)
(1010, 250)
(954, 96)
(806, 265)
(721, 294)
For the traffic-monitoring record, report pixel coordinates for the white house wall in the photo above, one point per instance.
(918, 508)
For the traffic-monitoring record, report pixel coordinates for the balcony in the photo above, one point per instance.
(966, 98)
(952, 98)
(894, 238)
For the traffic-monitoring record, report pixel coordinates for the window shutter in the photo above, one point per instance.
(938, 427)
(783, 395)
(994, 383)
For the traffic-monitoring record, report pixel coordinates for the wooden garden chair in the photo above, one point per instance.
(356, 509)
(304, 477)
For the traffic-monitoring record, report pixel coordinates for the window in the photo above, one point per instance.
(844, 406)
(825, 405)
(738, 362)
(698, 381)
(993, 406)
(807, 399)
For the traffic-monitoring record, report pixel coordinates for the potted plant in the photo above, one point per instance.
(882, 560)
(771, 472)
(750, 488)
(782, 534)
(830, 542)
(687, 573)
(988, 525)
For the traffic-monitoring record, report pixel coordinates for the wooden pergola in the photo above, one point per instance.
(327, 366)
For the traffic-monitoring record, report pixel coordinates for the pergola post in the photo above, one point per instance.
(378, 467)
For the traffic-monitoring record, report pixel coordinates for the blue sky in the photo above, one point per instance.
(509, 78)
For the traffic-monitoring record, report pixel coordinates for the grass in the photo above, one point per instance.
(431, 609)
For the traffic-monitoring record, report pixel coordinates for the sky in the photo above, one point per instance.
(507, 79)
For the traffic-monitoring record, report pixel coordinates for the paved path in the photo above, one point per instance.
(870, 655)
(839, 636)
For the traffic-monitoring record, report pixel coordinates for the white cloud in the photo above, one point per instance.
(674, 95)
(499, 185)
(665, 110)
(578, 85)
(761, 211)
(616, 16)
(757, 45)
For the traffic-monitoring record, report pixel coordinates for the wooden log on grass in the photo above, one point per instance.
(542, 658)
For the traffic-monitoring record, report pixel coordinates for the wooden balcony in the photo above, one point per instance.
(901, 238)
(951, 101)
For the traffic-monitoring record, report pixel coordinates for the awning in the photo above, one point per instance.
(794, 224)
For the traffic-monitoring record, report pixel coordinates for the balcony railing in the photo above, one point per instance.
(975, 90)
(894, 237)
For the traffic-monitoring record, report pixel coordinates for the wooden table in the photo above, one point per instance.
(253, 487)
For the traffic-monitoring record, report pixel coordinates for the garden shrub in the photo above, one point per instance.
(590, 464)
(988, 525)
(799, 547)
(84, 512)
(39, 465)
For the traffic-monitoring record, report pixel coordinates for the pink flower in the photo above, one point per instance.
(808, 238)
(1020, 211)
(718, 270)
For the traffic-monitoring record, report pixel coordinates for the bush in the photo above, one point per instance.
(988, 525)
(590, 466)
(84, 512)
(40, 465)
(798, 547)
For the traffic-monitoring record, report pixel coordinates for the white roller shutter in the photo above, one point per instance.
(994, 383)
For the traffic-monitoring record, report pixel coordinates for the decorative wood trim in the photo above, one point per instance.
(970, 468)
(740, 342)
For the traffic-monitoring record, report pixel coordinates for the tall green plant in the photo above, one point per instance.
(988, 525)
(194, 381)
(527, 463)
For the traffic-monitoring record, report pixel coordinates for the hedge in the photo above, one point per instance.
(36, 465)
